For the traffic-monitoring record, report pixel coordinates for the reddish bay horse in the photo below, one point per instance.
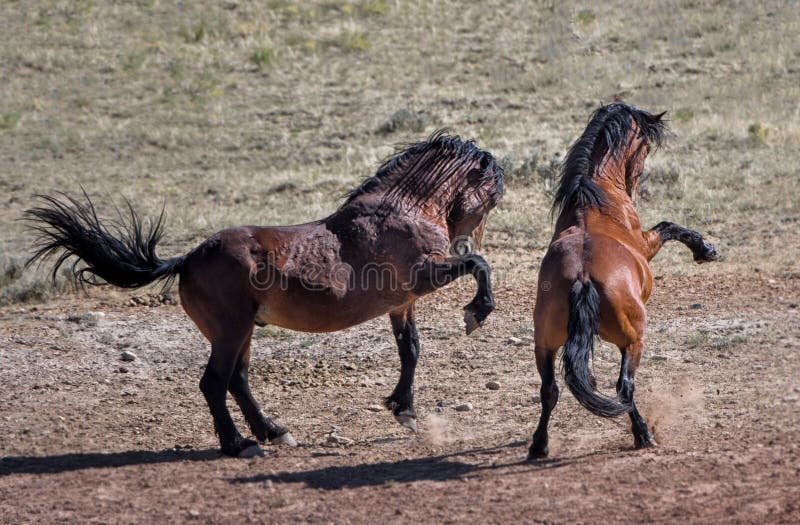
(402, 234)
(595, 278)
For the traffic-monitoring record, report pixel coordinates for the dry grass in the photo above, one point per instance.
(232, 112)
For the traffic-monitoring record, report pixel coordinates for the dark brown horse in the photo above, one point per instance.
(595, 278)
(400, 235)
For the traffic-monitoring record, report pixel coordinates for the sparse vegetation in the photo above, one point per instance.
(350, 40)
(758, 133)
(264, 57)
(405, 119)
(160, 104)
(698, 339)
(683, 115)
(660, 182)
(9, 120)
(585, 16)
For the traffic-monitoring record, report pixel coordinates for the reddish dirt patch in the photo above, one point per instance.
(83, 442)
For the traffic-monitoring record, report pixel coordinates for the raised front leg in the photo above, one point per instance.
(438, 274)
(401, 401)
(667, 231)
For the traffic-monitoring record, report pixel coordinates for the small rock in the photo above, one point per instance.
(349, 366)
(338, 440)
(375, 408)
(696, 306)
(128, 356)
(658, 358)
(790, 399)
(122, 370)
(441, 404)
(380, 382)
(464, 407)
(493, 385)
(536, 398)
(516, 341)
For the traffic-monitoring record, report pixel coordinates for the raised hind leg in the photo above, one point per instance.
(631, 355)
(262, 426)
(401, 400)
(545, 364)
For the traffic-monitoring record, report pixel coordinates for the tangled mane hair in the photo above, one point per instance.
(606, 133)
(418, 172)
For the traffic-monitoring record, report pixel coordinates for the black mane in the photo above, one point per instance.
(606, 132)
(425, 168)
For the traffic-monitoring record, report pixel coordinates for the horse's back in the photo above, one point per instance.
(606, 262)
(623, 281)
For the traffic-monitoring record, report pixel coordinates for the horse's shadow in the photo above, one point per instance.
(68, 462)
(434, 468)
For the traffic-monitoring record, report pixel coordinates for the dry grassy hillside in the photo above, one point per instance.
(234, 111)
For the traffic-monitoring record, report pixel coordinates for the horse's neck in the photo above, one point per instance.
(618, 209)
(375, 205)
(620, 206)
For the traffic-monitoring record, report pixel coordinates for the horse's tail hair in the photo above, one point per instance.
(121, 252)
(584, 314)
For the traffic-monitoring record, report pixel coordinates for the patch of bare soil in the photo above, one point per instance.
(88, 437)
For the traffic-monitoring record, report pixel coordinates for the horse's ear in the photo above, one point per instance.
(660, 116)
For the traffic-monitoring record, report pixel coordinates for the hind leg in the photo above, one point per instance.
(261, 425)
(401, 400)
(545, 364)
(631, 355)
(214, 385)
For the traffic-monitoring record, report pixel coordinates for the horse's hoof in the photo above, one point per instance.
(407, 420)
(647, 442)
(471, 322)
(537, 453)
(252, 451)
(709, 254)
(284, 439)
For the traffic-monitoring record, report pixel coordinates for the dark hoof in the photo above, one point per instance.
(647, 441)
(238, 446)
(537, 452)
(706, 254)
(253, 451)
(476, 313)
(471, 322)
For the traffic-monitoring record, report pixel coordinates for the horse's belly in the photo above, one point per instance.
(325, 312)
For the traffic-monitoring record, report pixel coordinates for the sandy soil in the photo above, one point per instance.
(83, 441)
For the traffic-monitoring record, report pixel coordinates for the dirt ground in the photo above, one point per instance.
(84, 442)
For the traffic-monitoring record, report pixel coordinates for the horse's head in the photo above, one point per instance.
(482, 190)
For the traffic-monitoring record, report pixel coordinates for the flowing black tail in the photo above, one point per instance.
(124, 256)
(584, 314)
